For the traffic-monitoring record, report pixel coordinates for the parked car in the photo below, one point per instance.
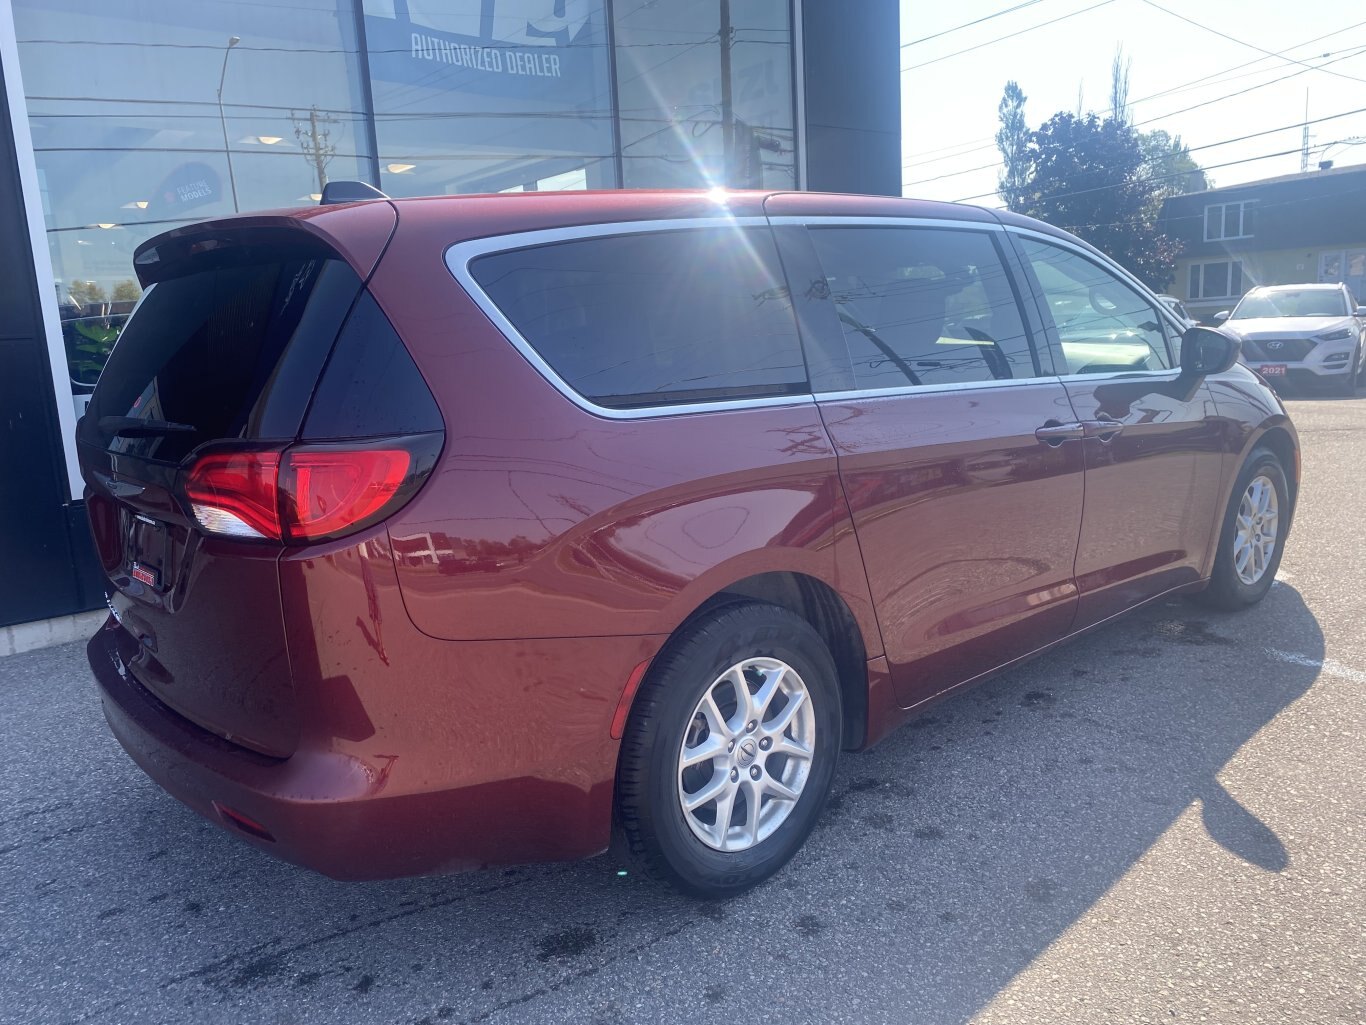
(450, 532)
(1303, 333)
(1176, 306)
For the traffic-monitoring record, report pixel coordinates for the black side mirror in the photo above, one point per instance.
(1207, 350)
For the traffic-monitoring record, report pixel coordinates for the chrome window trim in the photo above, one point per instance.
(460, 255)
(1158, 305)
(885, 222)
(849, 395)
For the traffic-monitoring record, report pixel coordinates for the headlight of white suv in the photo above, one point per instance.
(1335, 336)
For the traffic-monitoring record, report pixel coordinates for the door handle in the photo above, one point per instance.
(1105, 430)
(1054, 433)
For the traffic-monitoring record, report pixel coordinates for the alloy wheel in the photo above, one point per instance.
(1256, 530)
(746, 754)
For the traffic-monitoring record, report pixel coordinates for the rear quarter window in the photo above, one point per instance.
(664, 318)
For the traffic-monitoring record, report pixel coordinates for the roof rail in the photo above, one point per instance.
(349, 192)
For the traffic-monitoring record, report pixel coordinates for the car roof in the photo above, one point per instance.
(473, 216)
(1308, 286)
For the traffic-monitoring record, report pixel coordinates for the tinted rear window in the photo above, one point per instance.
(233, 352)
(655, 319)
(371, 387)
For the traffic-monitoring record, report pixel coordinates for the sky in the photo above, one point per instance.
(949, 99)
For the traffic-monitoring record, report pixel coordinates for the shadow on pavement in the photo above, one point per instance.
(949, 859)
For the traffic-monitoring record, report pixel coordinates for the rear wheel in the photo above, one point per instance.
(1253, 535)
(729, 751)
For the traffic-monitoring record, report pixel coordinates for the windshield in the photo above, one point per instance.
(1298, 303)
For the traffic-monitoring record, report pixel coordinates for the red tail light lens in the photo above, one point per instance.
(310, 492)
(326, 491)
(234, 494)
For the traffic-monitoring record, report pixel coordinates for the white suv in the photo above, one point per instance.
(1302, 332)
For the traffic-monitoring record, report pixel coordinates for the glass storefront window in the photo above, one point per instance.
(480, 96)
(705, 93)
(148, 115)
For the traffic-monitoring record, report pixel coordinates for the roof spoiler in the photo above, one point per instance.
(349, 192)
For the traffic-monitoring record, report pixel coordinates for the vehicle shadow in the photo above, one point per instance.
(949, 859)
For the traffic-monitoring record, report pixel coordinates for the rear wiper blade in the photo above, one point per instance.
(136, 427)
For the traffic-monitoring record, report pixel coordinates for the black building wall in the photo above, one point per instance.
(852, 69)
(47, 562)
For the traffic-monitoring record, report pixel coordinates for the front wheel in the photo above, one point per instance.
(1348, 385)
(1253, 534)
(729, 751)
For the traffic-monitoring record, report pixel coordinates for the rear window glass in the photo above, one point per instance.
(231, 352)
(654, 319)
(922, 306)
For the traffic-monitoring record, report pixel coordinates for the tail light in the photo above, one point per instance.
(310, 492)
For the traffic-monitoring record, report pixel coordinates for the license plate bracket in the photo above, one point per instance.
(145, 548)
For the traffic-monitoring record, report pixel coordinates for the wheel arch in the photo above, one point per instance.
(829, 615)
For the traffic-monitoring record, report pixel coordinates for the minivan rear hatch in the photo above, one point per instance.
(223, 352)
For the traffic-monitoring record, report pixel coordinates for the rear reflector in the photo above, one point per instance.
(242, 823)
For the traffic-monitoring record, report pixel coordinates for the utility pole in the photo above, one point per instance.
(223, 120)
(313, 133)
(1304, 144)
(727, 107)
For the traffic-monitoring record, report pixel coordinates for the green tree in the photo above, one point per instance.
(84, 293)
(1171, 167)
(126, 291)
(1012, 139)
(1089, 176)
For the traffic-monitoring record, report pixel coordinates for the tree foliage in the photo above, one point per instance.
(1091, 177)
(1170, 165)
(1012, 139)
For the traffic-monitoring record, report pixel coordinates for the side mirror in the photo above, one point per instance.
(1360, 312)
(1207, 350)
(1221, 316)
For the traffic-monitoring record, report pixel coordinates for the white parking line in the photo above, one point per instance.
(1329, 666)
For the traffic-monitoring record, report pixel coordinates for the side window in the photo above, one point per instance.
(924, 306)
(1103, 324)
(669, 317)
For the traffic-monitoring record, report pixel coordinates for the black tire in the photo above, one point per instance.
(1347, 387)
(1226, 589)
(651, 825)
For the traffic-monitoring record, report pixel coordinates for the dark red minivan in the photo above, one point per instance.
(456, 531)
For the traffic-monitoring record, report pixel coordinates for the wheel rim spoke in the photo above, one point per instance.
(717, 788)
(711, 748)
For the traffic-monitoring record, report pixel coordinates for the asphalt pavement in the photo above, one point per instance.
(1162, 822)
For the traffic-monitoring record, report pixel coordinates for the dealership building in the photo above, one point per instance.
(120, 119)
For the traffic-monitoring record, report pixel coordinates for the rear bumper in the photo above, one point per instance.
(351, 814)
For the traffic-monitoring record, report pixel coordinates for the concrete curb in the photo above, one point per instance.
(46, 633)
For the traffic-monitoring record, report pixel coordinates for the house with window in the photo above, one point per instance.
(1288, 230)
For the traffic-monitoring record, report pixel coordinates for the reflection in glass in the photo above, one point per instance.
(148, 116)
(480, 96)
(705, 93)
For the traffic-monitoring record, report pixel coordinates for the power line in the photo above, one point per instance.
(1012, 35)
(969, 24)
(1151, 120)
(1183, 87)
(1189, 149)
(1164, 177)
(1242, 42)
